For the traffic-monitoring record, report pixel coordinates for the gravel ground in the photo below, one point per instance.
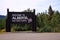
(30, 36)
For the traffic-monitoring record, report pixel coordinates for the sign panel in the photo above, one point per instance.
(22, 17)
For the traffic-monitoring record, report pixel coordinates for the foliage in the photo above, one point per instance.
(21, 27)
(2, 24)
(46, 25)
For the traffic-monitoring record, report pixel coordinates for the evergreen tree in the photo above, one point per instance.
(50, 12)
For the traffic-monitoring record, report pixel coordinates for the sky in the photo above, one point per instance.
(20, 5)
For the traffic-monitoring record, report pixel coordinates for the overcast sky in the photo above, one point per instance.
(20, 5)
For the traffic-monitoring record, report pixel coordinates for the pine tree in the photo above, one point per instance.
(50, 12)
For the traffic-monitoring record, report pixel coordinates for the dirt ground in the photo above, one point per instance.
(30, 36)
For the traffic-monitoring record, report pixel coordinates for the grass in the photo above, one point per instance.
(2, 31)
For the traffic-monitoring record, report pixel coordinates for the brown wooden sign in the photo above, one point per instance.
(20, 18)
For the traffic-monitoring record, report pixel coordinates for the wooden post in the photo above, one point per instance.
(8, 26)
(34, 22)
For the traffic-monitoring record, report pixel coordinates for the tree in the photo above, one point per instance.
(50, 12)
(28, 10)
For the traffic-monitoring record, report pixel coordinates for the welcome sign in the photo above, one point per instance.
(20, 17)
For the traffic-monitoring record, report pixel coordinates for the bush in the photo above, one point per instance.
(20, 27)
